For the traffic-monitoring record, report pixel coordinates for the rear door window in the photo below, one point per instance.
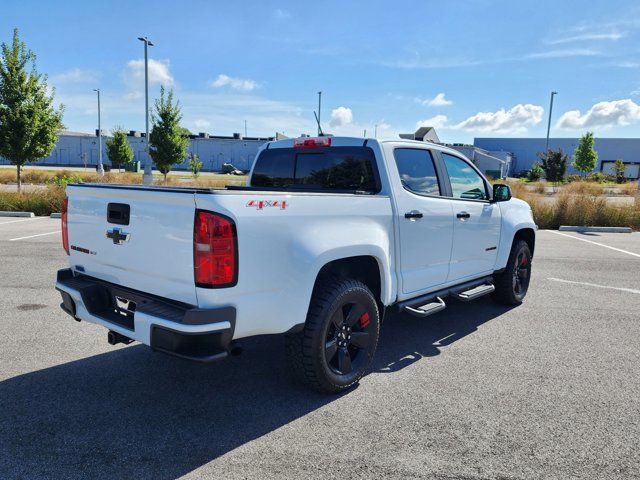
(417, 170)
(332, 168)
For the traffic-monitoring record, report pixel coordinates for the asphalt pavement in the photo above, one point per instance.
(549, 389)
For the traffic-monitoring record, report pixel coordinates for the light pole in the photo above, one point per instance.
(100, 166)
(245, 128)
(147, 178)
(319, 107)
(546, 147)
(375, 131)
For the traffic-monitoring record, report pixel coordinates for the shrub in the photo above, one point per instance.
(618, 168)
(195, 165)
(554, 164)
(535, 173)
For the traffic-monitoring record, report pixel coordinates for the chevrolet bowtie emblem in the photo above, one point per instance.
(118, 235)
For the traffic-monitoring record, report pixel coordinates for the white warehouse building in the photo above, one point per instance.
(76, 149)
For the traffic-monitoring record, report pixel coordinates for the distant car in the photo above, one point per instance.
(329, 234)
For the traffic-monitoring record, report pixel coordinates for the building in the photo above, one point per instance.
(524, 152)
(76, 149)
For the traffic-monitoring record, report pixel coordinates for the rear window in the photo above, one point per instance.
(332, 168)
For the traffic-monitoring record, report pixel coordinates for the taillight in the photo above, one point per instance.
(312, 142)
(64, 226)
(215, 250)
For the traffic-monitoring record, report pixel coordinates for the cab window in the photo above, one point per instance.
(466, 183)
(417, 170)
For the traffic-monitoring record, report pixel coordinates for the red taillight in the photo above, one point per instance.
(215, 256)
(65, 229)
(312, 142)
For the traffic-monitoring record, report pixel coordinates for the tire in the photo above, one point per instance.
(512, 284)
(340, 336)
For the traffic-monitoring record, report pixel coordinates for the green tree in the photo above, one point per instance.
(554, 164)
(195, 165)
(29, 124)
(585, 157)
(618, 169)
(167, 140)
(535, 172)
(118, 149)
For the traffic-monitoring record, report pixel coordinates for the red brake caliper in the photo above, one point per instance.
(365, 320)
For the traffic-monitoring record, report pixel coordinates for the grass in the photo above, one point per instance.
(41, 202)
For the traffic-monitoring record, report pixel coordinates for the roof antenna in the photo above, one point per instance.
(318, 122)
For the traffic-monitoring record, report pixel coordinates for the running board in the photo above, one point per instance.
(473, 293)
(427, 309)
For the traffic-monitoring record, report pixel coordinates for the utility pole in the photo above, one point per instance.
(245, 128)
(319, 107)
(375, 131)
(546, 147)
(147, 177)
(100, 166)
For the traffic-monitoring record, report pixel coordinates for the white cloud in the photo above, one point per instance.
(614, 36)
(75, 75)
(439, 121)
(515, 120)
(281, 14)
(565, 53)
(438, 101)
(201, 123)
(341, 116)
(240, 84)
(602, 114)
(159, 74)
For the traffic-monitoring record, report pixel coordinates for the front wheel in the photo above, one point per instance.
(340, 336)
(512, 284)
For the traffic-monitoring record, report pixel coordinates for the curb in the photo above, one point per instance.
(567, 228)
(56, 215)
(17, 214)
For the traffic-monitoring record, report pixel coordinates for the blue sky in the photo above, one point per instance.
(469, 67)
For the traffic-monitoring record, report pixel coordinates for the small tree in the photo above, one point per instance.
(167, 141)
(535, 172)
(618, 169)
(29, 123)
(585, 157)
(554, 164)
(118, 149)
(195, 165)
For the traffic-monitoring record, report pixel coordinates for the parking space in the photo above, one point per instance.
(546, 390)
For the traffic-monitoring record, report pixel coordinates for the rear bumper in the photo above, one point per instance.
(178, 329)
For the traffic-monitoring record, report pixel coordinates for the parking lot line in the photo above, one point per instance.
(622, 289)
(596, 243)
(22, 220)
(31, 236)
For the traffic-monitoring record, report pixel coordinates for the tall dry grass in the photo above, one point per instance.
(41, 202)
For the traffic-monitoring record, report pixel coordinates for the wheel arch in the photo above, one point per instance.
(528, 235)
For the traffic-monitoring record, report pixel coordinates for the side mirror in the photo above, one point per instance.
(501, 192)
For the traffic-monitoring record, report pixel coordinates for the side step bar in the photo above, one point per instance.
(427, 309)
(473, 293)
(431, 303)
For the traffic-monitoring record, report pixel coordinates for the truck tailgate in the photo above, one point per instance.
(151, 251)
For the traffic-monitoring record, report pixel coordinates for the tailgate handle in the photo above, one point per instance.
(118, 213)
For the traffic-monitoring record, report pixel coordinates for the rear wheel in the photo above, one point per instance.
(512, 284)
(340, 336)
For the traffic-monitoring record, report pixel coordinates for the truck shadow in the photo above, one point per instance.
(132, 413)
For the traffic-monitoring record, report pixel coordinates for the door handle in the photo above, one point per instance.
(463, 215)
(413, 214)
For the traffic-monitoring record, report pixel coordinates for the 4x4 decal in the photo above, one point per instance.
(262, 204)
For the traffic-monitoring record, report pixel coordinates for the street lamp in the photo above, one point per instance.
(319, 106)
(546, 147)
(100, 166)
(147, 177)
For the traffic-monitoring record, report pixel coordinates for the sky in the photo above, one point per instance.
(470, 68)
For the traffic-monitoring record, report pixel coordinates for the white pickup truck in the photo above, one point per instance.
(328, 235)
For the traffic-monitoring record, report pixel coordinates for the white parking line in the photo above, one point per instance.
(22, 220)
(630, 290)
(596, 243)
(31, 236)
